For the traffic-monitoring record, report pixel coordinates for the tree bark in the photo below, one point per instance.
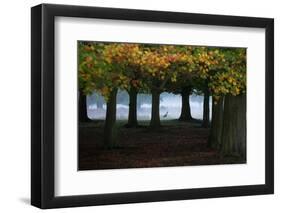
(234, 126)
(155, 114)
(185, 108)
(110, 120)
(214, 140)
(83, 116)
(206, 109)
(132, 119)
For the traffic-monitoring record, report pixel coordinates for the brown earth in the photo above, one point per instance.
(173, 144)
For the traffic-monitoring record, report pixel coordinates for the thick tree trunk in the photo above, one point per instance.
(234, 126)
(214, 140)
(185, 108)
(83, 117)
(110, 120)
(206, 109)
(242, 125)
(155, 114)
(132, 119)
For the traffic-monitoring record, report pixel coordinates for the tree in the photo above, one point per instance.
(110, 119)
(97, 73)
(128, 58)
(234, 126)
(166, 67)
(106, 68)
(206, 106)
(154, 66)
(207, 60)
(82, 98)
(182, 81)
(132, 117)
(82, 107)
(230, 82)
(185, 108)
(214, 140)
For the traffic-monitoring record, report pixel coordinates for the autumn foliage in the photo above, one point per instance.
(104, 66)
(219, 72)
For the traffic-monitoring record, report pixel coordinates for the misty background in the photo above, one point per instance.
(170, 106)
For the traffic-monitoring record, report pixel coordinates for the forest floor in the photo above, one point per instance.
(173, 144)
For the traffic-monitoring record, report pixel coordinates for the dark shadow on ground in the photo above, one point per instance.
(173, 144)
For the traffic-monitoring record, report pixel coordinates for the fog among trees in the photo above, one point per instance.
(170, 106)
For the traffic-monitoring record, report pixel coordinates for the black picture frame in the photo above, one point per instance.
(43, 117)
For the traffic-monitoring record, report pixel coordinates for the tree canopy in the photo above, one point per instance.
(107, 66)
(219, 72)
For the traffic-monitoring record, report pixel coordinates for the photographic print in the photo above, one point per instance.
(154, 100)
(160, 105)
